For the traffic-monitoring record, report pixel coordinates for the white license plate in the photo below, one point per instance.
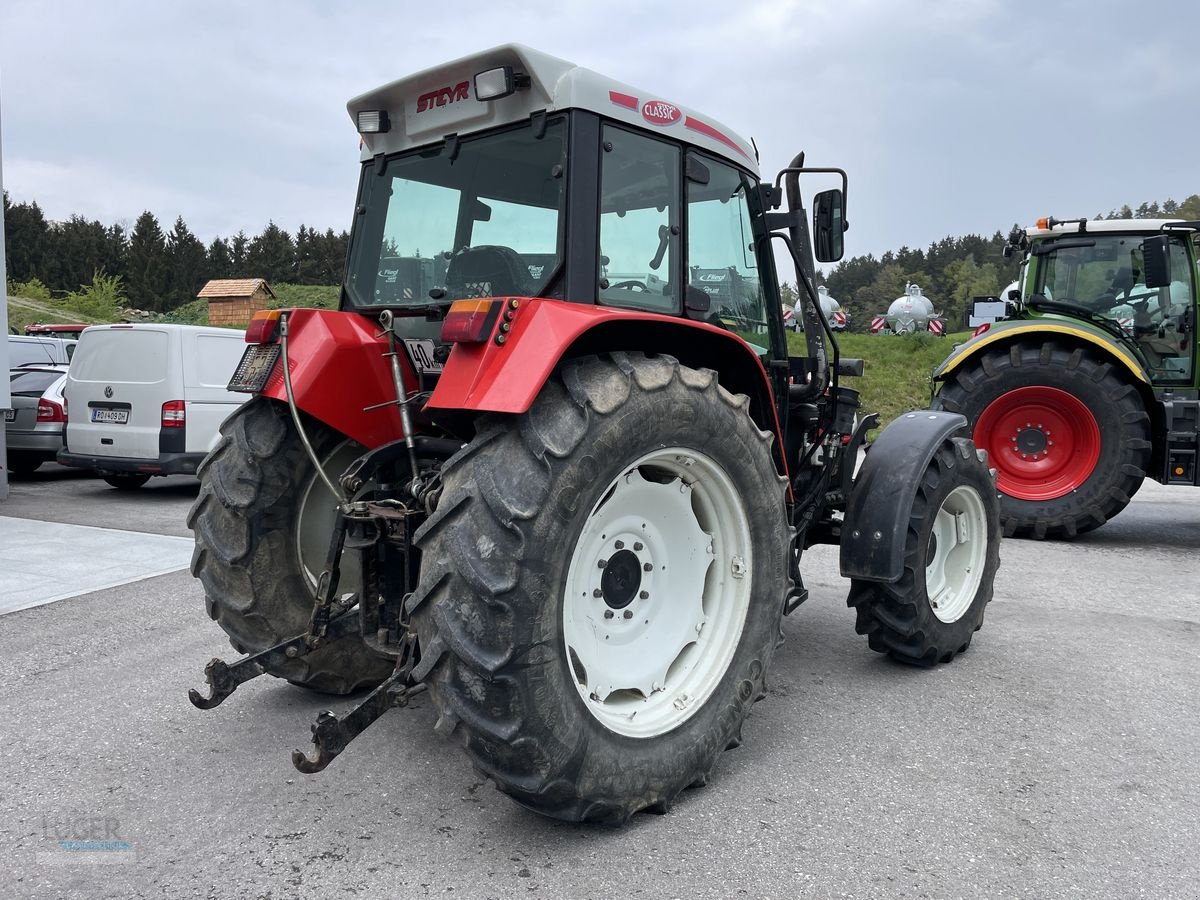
(110, 416)
(10, 415)
(421, 354)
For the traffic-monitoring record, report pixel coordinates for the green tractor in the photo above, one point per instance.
(1090, 384)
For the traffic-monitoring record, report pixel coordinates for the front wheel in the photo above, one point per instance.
(602, 587)
(951, 552)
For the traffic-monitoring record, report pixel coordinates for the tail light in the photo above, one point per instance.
(173, 414)
(263, 327)
(472, 321)
(49, 411)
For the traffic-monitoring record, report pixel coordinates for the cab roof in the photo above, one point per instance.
(427, 107)
(1104, 225)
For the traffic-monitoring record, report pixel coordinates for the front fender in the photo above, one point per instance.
(875, 527)
(1002, 333)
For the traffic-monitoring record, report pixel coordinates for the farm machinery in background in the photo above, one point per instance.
(1089, 385)
(910, 313)
(571, 504)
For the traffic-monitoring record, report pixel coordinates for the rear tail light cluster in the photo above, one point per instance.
(263, 327)
(173, 414)
(472, 321)
(49, 411)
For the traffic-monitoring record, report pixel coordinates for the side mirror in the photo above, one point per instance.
(1156, 261)
(829, 223)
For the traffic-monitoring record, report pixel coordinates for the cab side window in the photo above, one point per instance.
(639, 221)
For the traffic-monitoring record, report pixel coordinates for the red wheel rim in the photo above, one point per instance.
(1043, 442)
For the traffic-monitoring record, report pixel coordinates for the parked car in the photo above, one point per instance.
(25, 350)
(148, 399)
(56, 329)
(34, 426)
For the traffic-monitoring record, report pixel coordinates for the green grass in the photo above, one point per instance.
(896, 377)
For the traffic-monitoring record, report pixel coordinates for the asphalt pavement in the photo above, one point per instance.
(1059, 757)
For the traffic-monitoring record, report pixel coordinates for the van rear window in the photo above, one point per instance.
(136, 357)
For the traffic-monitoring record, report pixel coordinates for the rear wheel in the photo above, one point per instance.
(263, 522)
(1068, 436)
(602, 586)
(126, 482)
(951, 552)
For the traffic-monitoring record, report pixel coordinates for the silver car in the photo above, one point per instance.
(34, 425)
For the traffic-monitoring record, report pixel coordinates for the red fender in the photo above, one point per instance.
(338, 369)
(506, 377)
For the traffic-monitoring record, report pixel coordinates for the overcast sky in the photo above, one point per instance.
(951, 118)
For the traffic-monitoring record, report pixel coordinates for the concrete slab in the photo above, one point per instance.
(42, 562)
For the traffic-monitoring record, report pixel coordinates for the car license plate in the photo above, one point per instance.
(110, 416)
(421, 352)
(10, 415)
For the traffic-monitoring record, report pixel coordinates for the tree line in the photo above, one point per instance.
(160, 270)
(953, 270)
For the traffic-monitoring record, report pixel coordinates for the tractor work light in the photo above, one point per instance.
(470, 321)
(499, 82)
(372, 121)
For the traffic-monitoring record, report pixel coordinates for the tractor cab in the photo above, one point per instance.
(514, 174)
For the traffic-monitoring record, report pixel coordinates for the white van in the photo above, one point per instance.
(28, 350)
(147, 399)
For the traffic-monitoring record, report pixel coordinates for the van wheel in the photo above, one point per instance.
(126, 482)
(20, 464)
(263, 521)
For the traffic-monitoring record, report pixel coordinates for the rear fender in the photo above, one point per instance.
(1003, 334)
(338, 371)
(507, 377)
(877, 512)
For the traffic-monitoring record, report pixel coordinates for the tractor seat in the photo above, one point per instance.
(486, 271)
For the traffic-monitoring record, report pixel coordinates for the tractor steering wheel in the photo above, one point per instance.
(631, 285)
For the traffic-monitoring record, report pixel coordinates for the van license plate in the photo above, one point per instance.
(421, 352)
(110, 416)
(10, 415)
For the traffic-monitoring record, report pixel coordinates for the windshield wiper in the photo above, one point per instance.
(1044, 247)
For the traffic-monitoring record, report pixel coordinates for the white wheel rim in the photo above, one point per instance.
(317, 519)
(957, 554)
(646, 647)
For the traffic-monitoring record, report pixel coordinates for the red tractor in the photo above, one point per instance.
(538, 464)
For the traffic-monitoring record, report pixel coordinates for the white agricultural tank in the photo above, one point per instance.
(832, 309)
(910, 312)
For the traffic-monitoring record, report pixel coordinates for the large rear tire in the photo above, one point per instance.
(263, 522)
(951, 553)
(602, 587)
(1068, 436)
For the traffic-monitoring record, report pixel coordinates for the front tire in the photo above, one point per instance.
(263, 522)
(951, 553)
(1068, 436)
(602, 587)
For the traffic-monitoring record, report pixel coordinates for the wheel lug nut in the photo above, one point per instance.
(608, 614)
(637, 545)
(597, 593)
(647, 567)
(628, 614)
(644, 595)
(601, 563)
(620, 545)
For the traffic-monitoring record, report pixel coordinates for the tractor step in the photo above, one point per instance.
(223, 679)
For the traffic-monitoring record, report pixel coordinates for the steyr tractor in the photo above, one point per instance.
(1090, 385)
(532, 466)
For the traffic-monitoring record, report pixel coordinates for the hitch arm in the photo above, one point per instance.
(331, 735)
(223, 679)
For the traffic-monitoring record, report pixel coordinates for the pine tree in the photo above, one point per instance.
(26, 234)
(239, 246)
(219, 262)
(186, 261)
(146, 285)
(272, 255)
